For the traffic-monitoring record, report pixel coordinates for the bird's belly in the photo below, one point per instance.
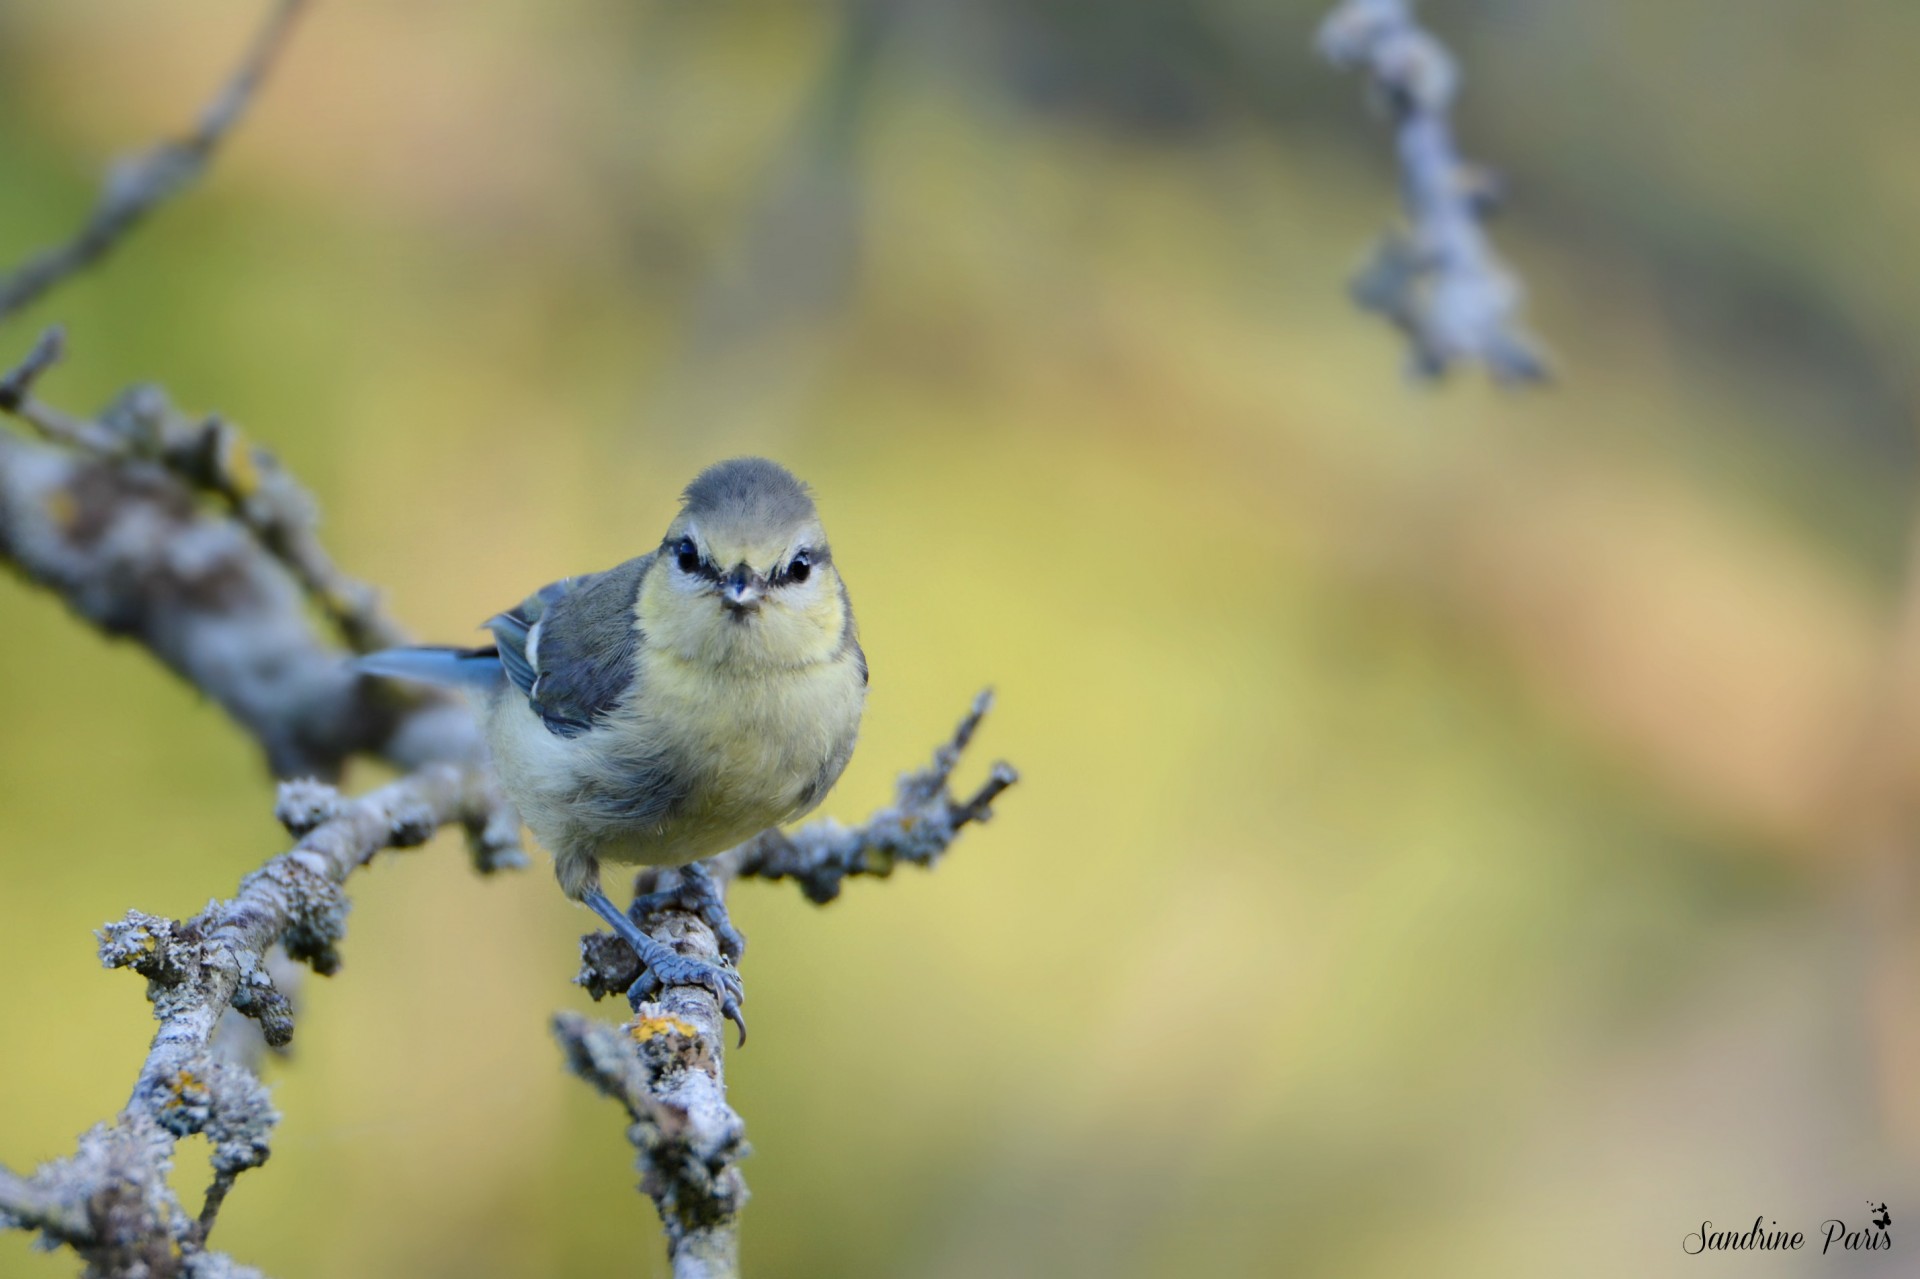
(760, 748)
(741, 752)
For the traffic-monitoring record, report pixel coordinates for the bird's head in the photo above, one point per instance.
(745, 575)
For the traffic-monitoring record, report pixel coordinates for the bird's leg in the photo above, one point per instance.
(695, 892)
(661, 965)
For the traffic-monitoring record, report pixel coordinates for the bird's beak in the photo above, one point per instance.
(742, 589)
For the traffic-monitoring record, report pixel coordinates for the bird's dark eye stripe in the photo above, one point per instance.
(687, 556)
(800, 567)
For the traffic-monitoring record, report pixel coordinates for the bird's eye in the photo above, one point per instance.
(801, 566)
(686, 556)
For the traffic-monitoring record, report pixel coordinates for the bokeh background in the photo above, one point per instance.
(1462, 833)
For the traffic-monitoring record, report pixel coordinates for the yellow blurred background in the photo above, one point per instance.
(1461, 833)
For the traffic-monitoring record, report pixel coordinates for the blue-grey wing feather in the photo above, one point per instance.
(450, 667)
(569, 647)
(510, 639)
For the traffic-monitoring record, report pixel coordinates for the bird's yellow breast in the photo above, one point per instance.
(761, 746)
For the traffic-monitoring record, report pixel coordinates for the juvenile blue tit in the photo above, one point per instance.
(674, 706)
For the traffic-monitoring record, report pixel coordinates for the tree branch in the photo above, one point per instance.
(665, 1066)
(111, 524)
(923, 820)
(111, 1201)
(107, 518)
(26, 1204)
(210, 456)
(1438, 280)
(138, 184)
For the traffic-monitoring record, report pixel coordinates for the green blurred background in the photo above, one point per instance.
(1462, 833)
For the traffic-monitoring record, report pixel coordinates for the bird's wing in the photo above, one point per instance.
(569, 648)
(449, 667)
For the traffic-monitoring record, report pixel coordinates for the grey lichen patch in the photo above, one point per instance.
(186, 1100)
(315, 906)
(304, 803)
(240, 1120)
(148, 944)
(669, 1043)
(225, 1102)
(109, 1200)
(494, 838)
(412, 824)
(257, 997)
(687, 1141)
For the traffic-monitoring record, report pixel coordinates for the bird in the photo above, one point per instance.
(668, 708)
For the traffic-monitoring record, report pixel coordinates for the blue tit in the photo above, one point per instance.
(672, 707)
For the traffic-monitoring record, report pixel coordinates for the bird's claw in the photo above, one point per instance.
(673, 969)
(695, 892)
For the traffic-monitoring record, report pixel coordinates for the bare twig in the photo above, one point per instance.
(665, 1066)
(138, 184)
(18, 383)
(1438, 280)
(922, 821)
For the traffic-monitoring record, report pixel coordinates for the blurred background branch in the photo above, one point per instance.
(138, 184)
(1437, 280)
(107, 515)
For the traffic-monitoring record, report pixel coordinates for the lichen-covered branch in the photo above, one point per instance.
(114, 516)
(109, 520)
(29, 1205)
(1438, 279)
(665, 1066)
(923, 820)
(138, 184)
(210, 456)
(111, 1201)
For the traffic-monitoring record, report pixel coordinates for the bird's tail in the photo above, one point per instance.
(452, 667)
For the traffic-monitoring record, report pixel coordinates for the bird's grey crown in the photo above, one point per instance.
(751, 495)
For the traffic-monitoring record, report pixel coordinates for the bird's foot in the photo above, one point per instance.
(695, 892)
(667, 967)
(662, 966)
